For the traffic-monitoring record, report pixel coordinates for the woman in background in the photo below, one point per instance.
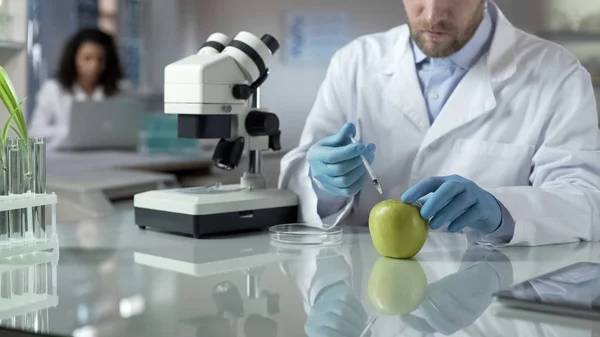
(89, 70)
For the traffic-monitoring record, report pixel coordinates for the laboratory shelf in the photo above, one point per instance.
(9, 49)
(15, 45)
(572, 36)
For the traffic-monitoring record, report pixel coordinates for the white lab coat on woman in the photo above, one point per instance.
(522, 124)
(53, 110)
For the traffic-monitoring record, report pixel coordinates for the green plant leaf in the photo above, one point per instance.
(9, 98)
(7, 90)
(6, 128)
(6, 98)
(20, 130)
(21, 124)
(8, 125)
(17, 132)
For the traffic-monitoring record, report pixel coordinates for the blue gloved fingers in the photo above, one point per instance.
(334, 316)
(471, 216)
(445, 313)
(453, 209)
(418, 324)
(334, 155)
(341, 138)
(421, 189)
(342, 302)
(442, 197)
(348, 315)
(438, 316)
(370, 153)
(342, 168)
(346, 192)
(350, 179)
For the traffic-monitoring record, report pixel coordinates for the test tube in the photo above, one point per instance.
(19, 322)
(38, 150)
(41, 279)
(4, 229)
(14, 156)
(27, 279)
(5, 288)
(18, 281)
(51, 281)
(30, 321)
(45, 323)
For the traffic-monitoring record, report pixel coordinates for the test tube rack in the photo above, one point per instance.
(28, 288)
(30, 243)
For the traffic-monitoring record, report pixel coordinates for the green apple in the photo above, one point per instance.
(397, 229)
(396, 287)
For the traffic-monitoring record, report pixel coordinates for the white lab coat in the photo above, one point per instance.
(52, 113)
(522, 124)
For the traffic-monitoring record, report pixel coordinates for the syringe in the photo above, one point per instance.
(370, 170)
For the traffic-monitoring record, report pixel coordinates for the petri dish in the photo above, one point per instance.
(301, 234)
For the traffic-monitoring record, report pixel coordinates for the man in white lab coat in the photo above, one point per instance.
(494, 130)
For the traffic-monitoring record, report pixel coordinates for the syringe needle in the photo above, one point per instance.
(370, 170)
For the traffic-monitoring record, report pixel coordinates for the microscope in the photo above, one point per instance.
(216, 95)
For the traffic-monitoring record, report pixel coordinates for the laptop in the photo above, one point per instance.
(110, 124)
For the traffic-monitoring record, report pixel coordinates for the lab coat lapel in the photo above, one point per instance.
(403, 89)
(472, 98)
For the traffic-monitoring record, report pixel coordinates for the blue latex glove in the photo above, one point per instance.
(337, 312)
(335, 162)
(458, 202)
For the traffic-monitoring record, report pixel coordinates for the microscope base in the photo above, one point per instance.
(225, 209)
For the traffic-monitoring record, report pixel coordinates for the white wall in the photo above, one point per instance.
(161, 45)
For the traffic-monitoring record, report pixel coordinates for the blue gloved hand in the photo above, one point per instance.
(458, 202)
(335, 162)
(337, 312)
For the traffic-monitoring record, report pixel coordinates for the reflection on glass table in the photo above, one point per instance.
(247, 312)
(458, 300)
(249, 315)
(28, 289)
(326, 279)
(210, 257)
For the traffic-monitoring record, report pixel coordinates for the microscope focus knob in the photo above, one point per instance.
(242, 91)
(260, 123)
(275, 141)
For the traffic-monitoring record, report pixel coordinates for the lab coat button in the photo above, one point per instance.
(434, 96)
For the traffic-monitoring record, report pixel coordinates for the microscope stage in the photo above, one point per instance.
(214, 210)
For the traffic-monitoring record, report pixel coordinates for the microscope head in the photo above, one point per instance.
(210, 92)
(218, 79)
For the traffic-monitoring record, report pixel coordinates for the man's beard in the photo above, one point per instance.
(457, 39)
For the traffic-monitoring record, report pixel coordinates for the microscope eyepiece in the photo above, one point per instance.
(215, 44)
(271, 43)
(252, 54)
